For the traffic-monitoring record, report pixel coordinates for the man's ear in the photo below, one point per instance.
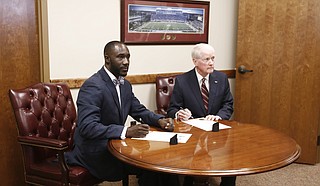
(107, 59)
(194, 61)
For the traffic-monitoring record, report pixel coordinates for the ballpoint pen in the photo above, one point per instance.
(191, 117)
(141, 121)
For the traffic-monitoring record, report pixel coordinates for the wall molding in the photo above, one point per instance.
(134, 79)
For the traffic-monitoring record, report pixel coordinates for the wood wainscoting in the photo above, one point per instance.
(134, 79)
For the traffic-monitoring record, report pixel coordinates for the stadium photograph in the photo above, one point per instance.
(165, 19)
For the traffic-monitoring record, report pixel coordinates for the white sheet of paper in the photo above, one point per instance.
(165, 136)
(204, 124)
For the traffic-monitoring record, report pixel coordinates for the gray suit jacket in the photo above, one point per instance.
(186, 94)
(101, 118)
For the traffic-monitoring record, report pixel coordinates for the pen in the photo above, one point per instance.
(191, 117)
(141, 121)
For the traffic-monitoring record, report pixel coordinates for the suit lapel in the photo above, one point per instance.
(112, 88)
(195, 87)
(122, 97)
(213, 83)
(114, 93)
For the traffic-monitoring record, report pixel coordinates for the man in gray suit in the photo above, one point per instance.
(104, 102)
(202, 92)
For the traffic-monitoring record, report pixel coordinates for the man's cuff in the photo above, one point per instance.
(176, 114)
(123, 133)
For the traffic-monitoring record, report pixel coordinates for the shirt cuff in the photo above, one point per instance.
(176, 114)
(123, 133)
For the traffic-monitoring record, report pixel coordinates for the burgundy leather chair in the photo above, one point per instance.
(46, 121)
(164, 88)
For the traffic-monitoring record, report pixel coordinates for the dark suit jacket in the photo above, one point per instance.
(186, 94)
(101, 118)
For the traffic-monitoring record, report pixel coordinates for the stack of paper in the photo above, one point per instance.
(165, 136)
(203, 124)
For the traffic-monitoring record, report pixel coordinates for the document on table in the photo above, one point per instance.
(205, 124)
(165, 136)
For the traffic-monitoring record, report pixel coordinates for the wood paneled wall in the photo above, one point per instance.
(19, 67)
(280, 41)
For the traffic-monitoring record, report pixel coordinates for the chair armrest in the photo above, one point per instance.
(43, 142)
(54, 144)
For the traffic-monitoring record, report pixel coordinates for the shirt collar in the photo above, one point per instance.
(199, 77)
(119, 81)
(112, 77)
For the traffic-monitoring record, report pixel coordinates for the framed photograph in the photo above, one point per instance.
(164, 22)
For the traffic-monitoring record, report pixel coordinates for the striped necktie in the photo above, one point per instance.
(204, 94)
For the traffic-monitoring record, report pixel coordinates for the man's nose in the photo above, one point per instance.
(125, 60)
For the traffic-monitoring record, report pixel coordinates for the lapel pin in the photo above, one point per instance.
(215, 81)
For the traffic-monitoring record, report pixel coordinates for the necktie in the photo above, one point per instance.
(119, 81)
(205, 94)
(116, 82)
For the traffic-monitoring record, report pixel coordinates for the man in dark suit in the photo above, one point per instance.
(202, 92)
(104, 102)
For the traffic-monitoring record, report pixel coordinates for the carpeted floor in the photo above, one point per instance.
(291, 175)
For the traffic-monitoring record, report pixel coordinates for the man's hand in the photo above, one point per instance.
(166, 124)
(184, 114)
(137, 131)
(213, 117)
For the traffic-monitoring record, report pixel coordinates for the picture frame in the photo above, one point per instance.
(164, 22)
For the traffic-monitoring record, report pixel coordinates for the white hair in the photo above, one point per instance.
(196, 52)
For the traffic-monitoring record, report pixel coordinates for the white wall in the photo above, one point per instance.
(79, 29)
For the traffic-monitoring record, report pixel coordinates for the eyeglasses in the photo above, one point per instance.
(208, 59)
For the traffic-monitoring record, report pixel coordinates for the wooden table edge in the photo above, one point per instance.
(245, 171)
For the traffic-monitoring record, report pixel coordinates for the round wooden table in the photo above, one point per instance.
(241, 150)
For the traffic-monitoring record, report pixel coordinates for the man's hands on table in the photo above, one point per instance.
(141, 130)
(138, 131)
(166, 124)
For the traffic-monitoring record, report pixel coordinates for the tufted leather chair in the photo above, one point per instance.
(164, 88)
(46, 121)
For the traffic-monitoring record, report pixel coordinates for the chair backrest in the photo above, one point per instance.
(44, 110)
(164, 88)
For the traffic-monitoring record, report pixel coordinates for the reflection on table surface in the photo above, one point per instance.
(242, 149)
